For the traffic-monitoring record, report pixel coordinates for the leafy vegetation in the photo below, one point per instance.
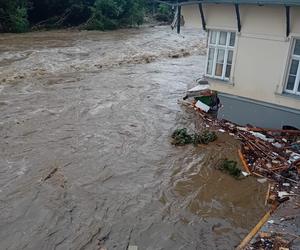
(164, 13)
(22, 15)
(112, 14)
(13, 15)
(231, 168)
(182, 137)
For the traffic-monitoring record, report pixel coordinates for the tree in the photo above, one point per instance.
(20, 15)
(164, 13)
(13, 15)
(112, 14)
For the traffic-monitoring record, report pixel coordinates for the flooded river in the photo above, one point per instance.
(85, 155)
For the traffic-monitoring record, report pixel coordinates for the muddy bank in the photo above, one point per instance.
(86, 158)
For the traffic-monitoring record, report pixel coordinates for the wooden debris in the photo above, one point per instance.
(53, 171)
(281, 131)
(272, 154)
(245, 164)
(264, 152)
(254, 231)
(268, 194)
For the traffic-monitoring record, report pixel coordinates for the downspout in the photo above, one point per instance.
(178, 19)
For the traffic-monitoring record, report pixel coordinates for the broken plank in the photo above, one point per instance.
(50, 174)
(286, 131)
(245, 164)
(254, 231)
(268, 194)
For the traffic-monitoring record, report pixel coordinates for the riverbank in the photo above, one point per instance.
(23, 16)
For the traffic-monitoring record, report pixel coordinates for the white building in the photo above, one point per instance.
(253, 57)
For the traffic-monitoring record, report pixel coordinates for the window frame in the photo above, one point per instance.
(297, 79)
(217, 46)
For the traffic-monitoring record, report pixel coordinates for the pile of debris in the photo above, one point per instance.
(272, 155)
(268, 153)
(272, 241)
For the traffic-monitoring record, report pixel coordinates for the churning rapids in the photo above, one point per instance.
(85, 154)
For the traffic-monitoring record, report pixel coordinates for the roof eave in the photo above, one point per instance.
(249, 2)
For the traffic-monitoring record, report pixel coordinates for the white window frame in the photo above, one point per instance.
(217, 46)
(297, 79)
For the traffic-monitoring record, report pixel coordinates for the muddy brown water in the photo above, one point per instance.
(85, 153)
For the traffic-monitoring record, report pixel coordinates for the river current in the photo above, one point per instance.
(86, 160)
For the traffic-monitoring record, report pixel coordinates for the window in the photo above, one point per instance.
(293, 81)
(220, 54)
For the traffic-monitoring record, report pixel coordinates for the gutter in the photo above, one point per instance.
(236, 4)
(261, 3)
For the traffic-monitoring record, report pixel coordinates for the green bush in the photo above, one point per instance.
(112, 14)
(19, 21)
(13, 15)
(163, 9)
(19, 15)
(205, 137)
(165, 13)
(182, 137)
(231, 168)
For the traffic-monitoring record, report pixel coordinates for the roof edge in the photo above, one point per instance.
(250, 2)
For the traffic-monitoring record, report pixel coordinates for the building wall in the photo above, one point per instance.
(244, 111)
(262, 50)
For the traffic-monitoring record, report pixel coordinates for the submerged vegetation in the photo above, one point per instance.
(231, 168)
(25, 15)
(182, 137)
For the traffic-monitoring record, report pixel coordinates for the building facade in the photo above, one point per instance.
(253, 58)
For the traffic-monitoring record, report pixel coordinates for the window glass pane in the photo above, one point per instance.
(220, 57)
(211, 53)
(228, 69)
(229, 58)
(298, 87)
(294, 67)
(213, 37)
(220, 62)
(209, 67)
(223, 38)
(229, 63)
(297, 48)
(232, 39)
(219, 69)
(210, 60)
(291, 82)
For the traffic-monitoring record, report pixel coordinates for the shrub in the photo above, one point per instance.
(112, 14)
(18, 20)
(164, 14)
(16, 15)
(182, 137)
(231, 168)
(13, 16)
